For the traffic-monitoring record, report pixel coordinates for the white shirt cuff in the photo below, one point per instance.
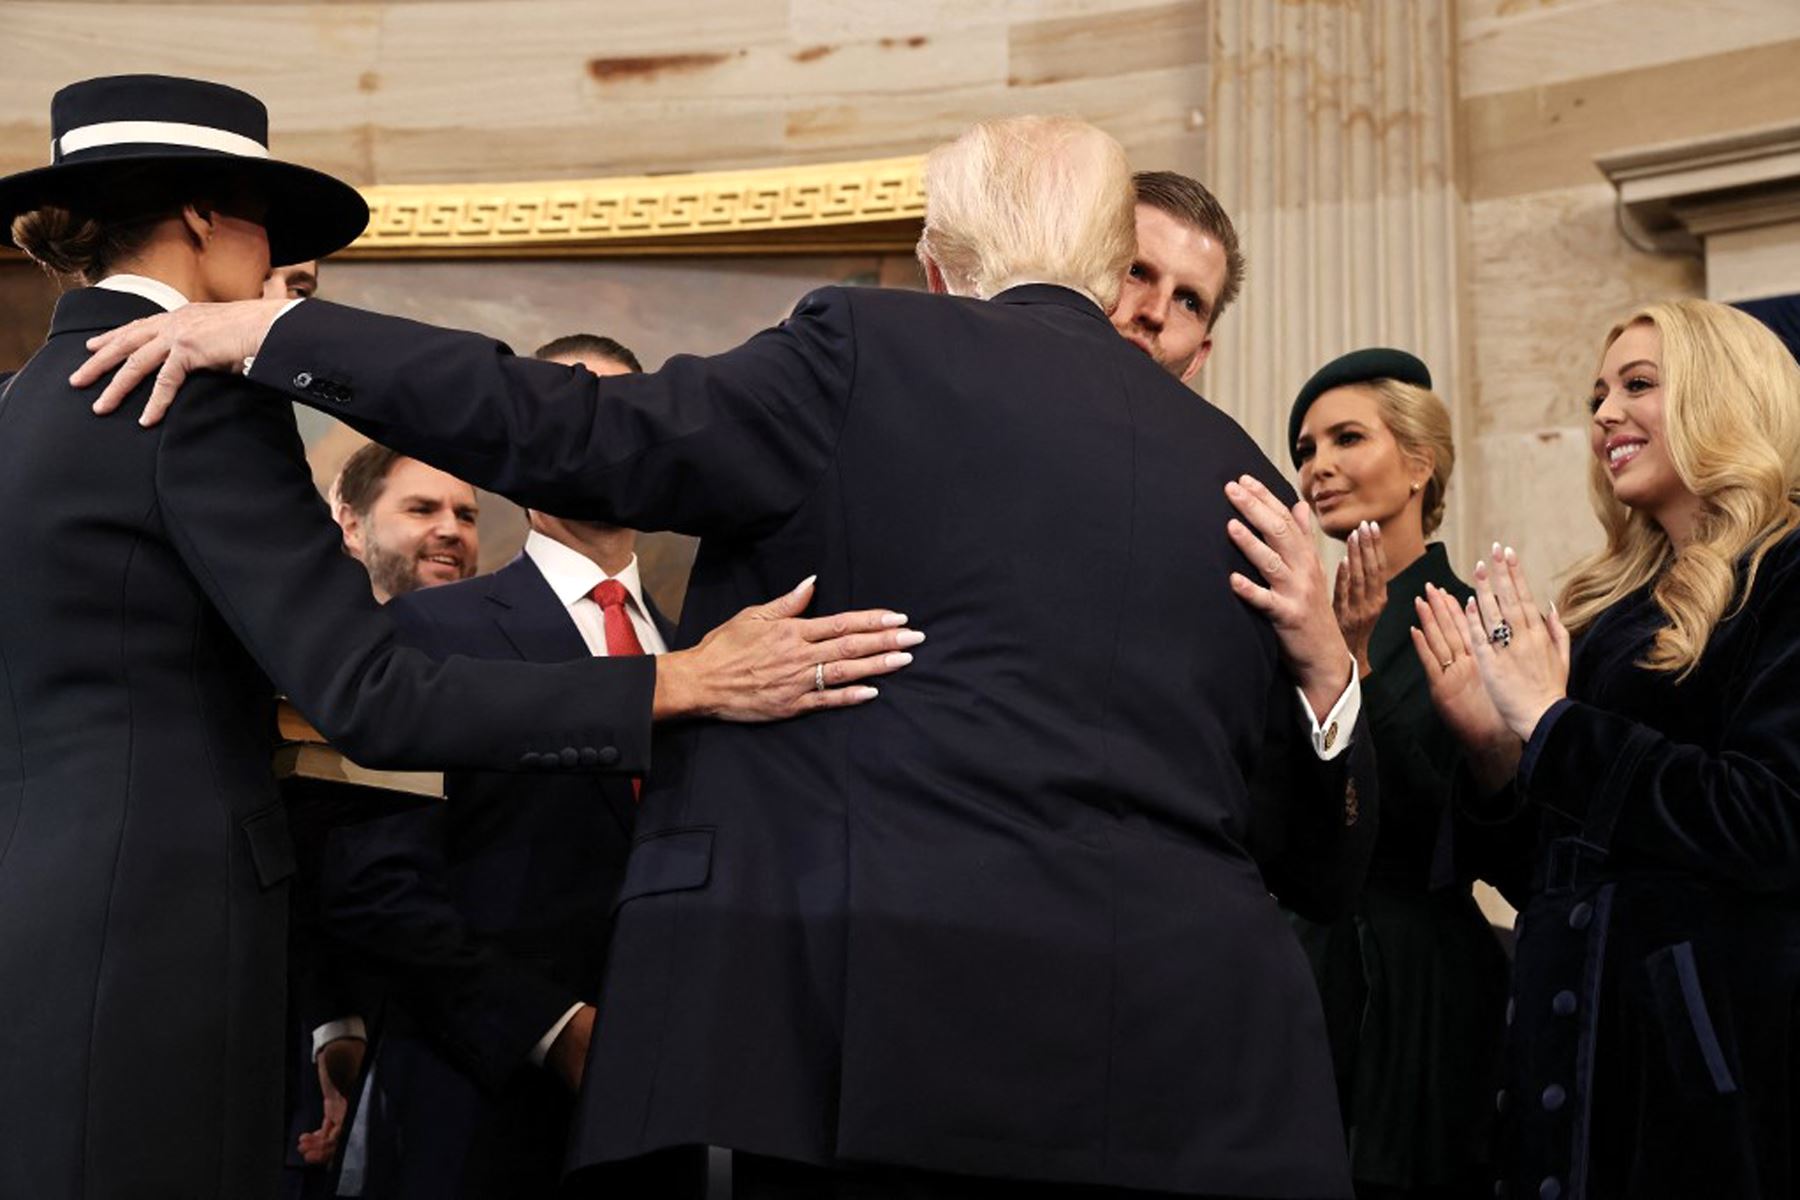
(541, 1051)
(285, 310)
(331, 1031)
(1330, 736)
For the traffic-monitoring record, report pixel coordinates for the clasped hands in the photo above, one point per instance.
(1496, 665)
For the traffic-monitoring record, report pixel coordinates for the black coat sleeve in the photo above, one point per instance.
(1732, 812)
(1313, 820)
(239, 506)
(706, 446)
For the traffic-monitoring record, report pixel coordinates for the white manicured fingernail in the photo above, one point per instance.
(897, 659)
(805, 583)
(910, 637)
(893, 619)
(865, 693)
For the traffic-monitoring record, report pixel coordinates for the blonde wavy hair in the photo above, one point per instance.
(1047, 199)
(1421, 427)
(1731, 422)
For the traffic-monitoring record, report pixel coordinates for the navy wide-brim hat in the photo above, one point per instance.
(99, 127)
(1358, 366)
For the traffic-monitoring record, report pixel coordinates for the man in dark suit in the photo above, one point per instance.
(489, 914)
(1014, 920)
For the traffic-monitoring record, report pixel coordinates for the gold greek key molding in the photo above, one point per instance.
(872, 206)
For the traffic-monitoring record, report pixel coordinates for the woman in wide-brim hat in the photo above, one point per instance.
(162, 584)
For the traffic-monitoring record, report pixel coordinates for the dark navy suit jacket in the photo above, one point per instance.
(1013, 917)
(489, 915)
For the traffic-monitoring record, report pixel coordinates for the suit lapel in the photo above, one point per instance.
(530, 616)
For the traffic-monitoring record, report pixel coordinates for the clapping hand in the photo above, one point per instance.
(1523, 655)
(1441, 640)
(1296, 602)
(1361, 590)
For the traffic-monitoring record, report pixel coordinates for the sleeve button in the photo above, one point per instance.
(303, 380)
(569, 756)
(589, 756)
(529, 758)
(608, 755)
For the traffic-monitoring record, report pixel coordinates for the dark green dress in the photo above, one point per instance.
(1413, 981)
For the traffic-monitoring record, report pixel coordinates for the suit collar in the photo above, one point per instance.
(1053, 294)
(91, 310)
(530, 616)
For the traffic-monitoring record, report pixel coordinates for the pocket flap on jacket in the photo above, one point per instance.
(271, 847)
(676, 861)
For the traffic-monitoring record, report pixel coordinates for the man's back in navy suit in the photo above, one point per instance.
(1009, 918)
(491, 914)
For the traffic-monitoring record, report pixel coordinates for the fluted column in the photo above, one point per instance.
(1332, 144)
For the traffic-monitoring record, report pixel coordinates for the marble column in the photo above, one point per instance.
(1332, 144)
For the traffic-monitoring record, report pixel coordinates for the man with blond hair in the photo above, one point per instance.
(1009, 926)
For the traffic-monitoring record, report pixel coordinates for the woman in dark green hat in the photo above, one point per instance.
(1413, 980)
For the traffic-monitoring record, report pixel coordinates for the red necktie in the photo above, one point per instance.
(621, 638)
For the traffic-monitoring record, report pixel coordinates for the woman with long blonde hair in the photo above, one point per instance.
(1653, 817)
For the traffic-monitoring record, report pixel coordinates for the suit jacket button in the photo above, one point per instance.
(1550, 1189)
(1553, 1097)
(529, 758)
(570, 756)
(1581, 915)
(590, 757)
(608, 755)
(303, 380)
(1563, 1003)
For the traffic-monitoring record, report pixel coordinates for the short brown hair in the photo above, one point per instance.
(364, 477)
(1187, 200)
(594, 345)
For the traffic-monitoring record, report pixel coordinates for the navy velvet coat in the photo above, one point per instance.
(1013, 917)
(1654, 1048)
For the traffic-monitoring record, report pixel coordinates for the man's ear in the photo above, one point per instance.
(1198, 361)
(352, 526)
(934, 276)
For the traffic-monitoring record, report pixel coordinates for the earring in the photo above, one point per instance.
(1415, 487)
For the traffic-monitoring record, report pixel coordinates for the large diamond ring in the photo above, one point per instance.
(1501, 634)
(819, 677)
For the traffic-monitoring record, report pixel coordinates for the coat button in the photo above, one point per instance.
(1581, 915)
(589, 756)
(529, 758)
(1550, 1189)
(1511, 1005)
(1500, 1101)
(303, 380)
(1499, 1189)
(608, 755)
(1554, 1097)
(570, 756)
(1563, 1004)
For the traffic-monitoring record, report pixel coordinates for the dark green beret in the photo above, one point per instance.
(1358, 366)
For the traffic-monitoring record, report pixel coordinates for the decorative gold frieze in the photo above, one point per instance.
(875, 205)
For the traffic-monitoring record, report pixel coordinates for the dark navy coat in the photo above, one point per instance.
(1009, 918)
(162, 585)
(488, 916)
(1656, 1006)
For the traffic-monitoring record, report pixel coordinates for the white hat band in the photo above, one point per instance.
(167, 133)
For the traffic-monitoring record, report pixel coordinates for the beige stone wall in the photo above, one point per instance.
(1544, 86)
(394, 91)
